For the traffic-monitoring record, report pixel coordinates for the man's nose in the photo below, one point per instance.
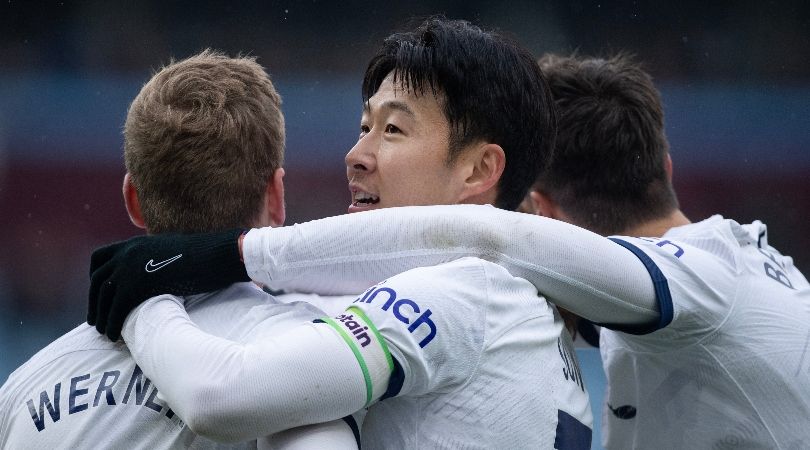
(361, 157)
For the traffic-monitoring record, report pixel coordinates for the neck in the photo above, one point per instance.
(657, 227)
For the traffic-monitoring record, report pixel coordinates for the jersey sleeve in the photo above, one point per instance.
(691, 287)
(433, 320)
(338, 434)
(232, 391)
(583, 272)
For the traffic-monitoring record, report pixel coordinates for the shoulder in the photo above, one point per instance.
(319, 304)
(243, 311)
(436, 320)
(695, 270)
(83, 338)
(462, 275)
(469, 268)
(702, 270)
(432, 320)
(709, 249)
(83, 344)
(722, 239)
(465, 289)
(451, 287)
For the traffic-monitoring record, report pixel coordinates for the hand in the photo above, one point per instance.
(125, 274)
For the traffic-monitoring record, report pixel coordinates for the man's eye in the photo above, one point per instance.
(391, 129)
(364, 129)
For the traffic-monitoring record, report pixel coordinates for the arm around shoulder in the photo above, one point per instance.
(579, 270)
(230, 391)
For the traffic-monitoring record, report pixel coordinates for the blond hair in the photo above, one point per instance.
(201, 141)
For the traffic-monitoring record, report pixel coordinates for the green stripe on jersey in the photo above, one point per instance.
(357, 354)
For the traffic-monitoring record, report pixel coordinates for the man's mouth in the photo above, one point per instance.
(360, 198)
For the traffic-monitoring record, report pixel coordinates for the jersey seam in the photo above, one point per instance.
(744, 394)
(513, 326)
(717, 328)
(385, 256)
(738, 270)
(477, 366)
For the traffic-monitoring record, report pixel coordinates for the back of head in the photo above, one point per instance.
(490, 88)
(608, 170)
(201, 141)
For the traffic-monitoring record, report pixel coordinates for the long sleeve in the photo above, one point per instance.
(578, 270)
(230, 391)
(330, 435)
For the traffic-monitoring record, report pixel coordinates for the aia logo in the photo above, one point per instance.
(625, 412)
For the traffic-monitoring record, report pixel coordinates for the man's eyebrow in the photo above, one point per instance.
(391, 104)
(399, 106)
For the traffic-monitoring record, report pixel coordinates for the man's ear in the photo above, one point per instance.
(668, 167)
(274, 199)
(527, 205)
(486, 164)
(132, 203)
(544, 205)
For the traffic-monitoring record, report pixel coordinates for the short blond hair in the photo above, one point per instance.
(201, 141)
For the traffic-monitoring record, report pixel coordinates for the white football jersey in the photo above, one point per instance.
(481, 361)
(331, 305)
(728, 366)
(83, 391)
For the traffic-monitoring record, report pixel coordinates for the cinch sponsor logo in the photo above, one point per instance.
(356, 328)
(398, 307)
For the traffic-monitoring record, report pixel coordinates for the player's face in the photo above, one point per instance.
(400, 158)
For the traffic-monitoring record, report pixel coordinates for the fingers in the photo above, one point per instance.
(120, 307)
(102, 255)
(105, 300)
(118, 315)
(97, 279)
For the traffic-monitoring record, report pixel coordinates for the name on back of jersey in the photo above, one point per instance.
(79, 394)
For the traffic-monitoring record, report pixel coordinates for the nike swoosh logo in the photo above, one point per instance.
(623, 412)
(151, 266)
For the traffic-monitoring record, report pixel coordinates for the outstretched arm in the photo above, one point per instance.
(581, 271)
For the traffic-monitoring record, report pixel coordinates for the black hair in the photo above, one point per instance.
(608, 169)
(491, 89)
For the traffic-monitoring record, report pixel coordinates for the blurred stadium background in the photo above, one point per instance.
(735, 79)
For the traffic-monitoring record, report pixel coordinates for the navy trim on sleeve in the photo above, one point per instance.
(352, 423)
(662, 293)
(395, 382)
